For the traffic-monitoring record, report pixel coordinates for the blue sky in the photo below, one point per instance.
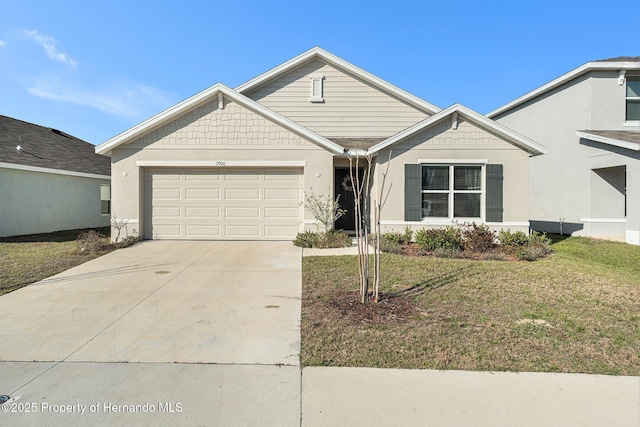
(95, 68)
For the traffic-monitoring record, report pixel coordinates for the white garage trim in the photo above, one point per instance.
(222, 163)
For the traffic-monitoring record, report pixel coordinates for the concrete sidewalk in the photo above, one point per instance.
(385, 397)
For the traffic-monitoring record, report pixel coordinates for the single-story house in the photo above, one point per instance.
(237, 163)
(50, 181)
(589, 119)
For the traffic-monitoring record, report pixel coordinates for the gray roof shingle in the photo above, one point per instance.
(48, 148)
(620, 59)
(621, 135)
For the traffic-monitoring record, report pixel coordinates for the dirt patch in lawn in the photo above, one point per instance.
(390, 308)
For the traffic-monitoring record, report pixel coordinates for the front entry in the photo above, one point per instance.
(344, 189)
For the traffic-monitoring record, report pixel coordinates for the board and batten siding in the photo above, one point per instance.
(351, 107)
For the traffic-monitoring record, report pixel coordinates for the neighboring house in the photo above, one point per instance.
(589, 120)
(237, 163)
(50, 181)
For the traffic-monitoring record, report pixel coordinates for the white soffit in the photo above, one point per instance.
(317, 52)
(609, 141)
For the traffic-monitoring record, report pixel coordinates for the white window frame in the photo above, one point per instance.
(630, 98)
(452, 191)
(105, 195)
(317, 88)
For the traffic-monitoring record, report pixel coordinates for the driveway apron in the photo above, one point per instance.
(211, 331)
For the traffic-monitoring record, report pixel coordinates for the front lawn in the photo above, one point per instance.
(27, 259)
(577, 310)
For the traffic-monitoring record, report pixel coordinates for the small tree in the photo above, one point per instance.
(361, 195)
(119, 224)
(324, 209)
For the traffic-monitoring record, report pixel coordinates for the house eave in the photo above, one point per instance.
(609, 141)
(521, 141)
(565, 78)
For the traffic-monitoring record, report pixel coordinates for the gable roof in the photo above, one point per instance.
(620, 63)
(48, 148)
(523, 142)
(206, 96)
(618, 138)
(319, 53)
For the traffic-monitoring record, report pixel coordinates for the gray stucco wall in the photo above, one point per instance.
(561, 180)
(36, 202)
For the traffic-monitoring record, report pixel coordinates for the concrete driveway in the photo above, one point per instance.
(210, 331)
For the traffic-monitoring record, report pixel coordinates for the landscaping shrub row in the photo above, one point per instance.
(467, 241)
(323, 239)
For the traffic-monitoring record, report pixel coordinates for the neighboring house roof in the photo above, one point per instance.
(319, 53)
(206, 96)
(618, 138)
(620, 63)
(48, 148)
(523, 142)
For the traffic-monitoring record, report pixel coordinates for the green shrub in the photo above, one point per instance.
(407, 235)
(517, 239)
(390, 247)
(307, 239)
(477, 238)
(392, 237)
(334, 239)
(444, 238)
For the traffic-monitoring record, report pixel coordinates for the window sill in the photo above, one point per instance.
(316, 99)
(631, 123)
(604, 220)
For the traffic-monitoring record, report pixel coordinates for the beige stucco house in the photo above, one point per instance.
(49, 181)
(589, 119)
(237, 163)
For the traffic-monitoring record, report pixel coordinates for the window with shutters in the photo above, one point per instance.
(451, 191)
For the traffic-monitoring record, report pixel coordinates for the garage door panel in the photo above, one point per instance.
(167, 193)
(243, 175)
(166, 212)
(282, 194)
(224, 204)
(202, 212)
(202, 231)
(277, 212)
(242, 212)
(242, 194)
(202, 193)
(242, 231)
(286, 176)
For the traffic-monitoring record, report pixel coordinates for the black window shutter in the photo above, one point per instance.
(412, 192)
(494, 196)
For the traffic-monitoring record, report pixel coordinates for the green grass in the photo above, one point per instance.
(27, 259)
(577, 310)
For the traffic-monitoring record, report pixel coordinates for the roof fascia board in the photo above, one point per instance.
(340, 63)
(52, 171)
(525, 143)
(583, 69)
(207, 94)
(609, 141)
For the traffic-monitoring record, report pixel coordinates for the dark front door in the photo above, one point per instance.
(344, 189)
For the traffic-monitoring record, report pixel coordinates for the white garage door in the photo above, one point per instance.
(227, 204)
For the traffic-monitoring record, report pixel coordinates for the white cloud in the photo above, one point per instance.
(2, 43)
(48, 43)
(131, 100)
